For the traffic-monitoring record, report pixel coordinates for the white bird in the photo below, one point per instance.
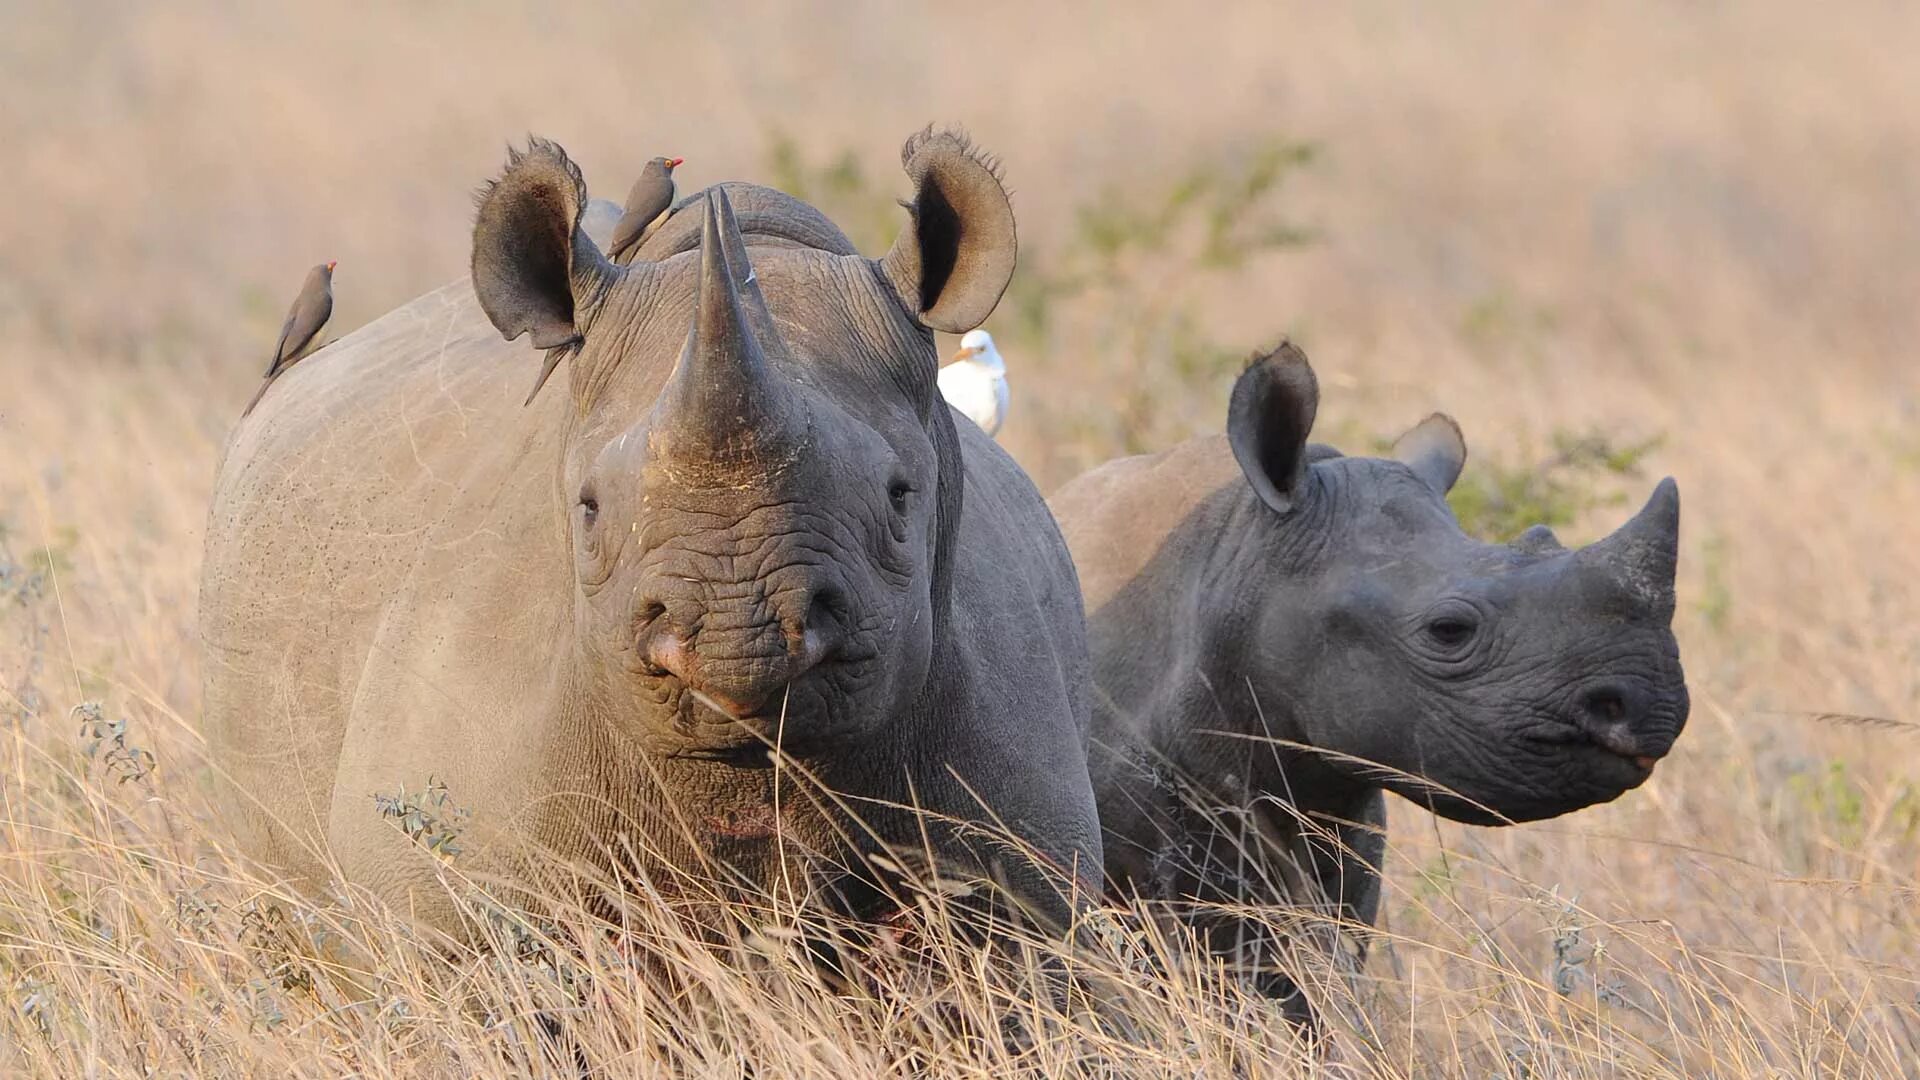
(976, 381)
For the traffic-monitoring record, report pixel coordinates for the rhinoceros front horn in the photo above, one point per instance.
(1643, 554)
(726, 406)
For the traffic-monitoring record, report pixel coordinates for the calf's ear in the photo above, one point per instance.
(1435, 450)
(534, 270)
(1268, 420)
(956, 255)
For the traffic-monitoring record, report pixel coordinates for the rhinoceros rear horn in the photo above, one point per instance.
(1268, 420)
(1643, 555)
(534, 270)
(1537, 540)
(726, 403)
(956, 255)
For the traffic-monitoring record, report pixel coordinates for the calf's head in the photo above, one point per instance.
(759, 486)
(1492, 682)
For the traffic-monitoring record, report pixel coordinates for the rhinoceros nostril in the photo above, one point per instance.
(665, 653)
(1608, 714)
(1606, 705)
(822, 627)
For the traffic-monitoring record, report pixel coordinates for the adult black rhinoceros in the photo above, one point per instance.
(1279, 632)
(746, 521)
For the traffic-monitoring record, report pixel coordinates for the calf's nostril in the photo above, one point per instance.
(1606, 705)
(1609, 714)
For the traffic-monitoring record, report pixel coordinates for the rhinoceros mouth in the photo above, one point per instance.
(744, 754)
(1621, 765)
(1640, 762)
(716, 705)
(791, 726)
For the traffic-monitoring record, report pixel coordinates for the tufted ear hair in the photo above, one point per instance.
(1268, 420)
(956, 255)
(534, 270)
(1435, 450)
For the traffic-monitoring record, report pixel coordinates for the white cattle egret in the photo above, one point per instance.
(976, 381)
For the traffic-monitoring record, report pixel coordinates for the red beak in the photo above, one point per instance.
(674, 162)
(331, 263)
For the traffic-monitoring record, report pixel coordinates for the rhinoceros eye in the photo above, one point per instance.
(589, 508)
(897, 493)
(1451, 630)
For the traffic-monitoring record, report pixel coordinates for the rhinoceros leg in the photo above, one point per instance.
(1315, 881)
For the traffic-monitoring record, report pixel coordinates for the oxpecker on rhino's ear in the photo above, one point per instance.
(1268, 421)
(1435, 450)
(956, 255)
(534, 269)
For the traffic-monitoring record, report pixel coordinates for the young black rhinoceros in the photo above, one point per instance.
(743, 521)
(1280, 631)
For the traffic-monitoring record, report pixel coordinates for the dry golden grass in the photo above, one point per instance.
(1692, 221)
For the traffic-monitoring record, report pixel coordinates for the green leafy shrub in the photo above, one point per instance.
(1498, 500)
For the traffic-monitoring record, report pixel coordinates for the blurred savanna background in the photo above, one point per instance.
(1615, 241)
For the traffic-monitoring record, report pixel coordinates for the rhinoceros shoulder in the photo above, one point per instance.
(1116, 517)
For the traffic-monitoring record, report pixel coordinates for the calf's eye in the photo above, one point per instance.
(589, 509)
(1450, 631)
(897, 493)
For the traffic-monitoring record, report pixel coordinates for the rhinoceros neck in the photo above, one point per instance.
(1251, 587)
(1239, 714)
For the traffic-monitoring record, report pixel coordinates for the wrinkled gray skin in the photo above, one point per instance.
(1269, 616)
(744, 518)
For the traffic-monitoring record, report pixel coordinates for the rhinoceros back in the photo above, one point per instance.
(365, 478)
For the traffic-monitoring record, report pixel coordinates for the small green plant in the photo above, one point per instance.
(1436, 878)
(1832, 795)
(1716, 597)
(1136, 267)
(521, 943)
(55, 557)
(1579, 961)
(1130, 245)
(19, 585)
(839, 187)
(429, 817)
(1904, 445)
(1497, 501)
(23, 587)
(34, 999)
(1502, 323)
(195, 913)
(105, 741)
(272, 943)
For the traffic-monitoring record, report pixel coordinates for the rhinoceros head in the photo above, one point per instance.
(1493, 682)
(759, 486)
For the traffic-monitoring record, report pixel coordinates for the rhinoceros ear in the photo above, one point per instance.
(1435, 450)
(1268, 420)
(534, 270)
(956, 255)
